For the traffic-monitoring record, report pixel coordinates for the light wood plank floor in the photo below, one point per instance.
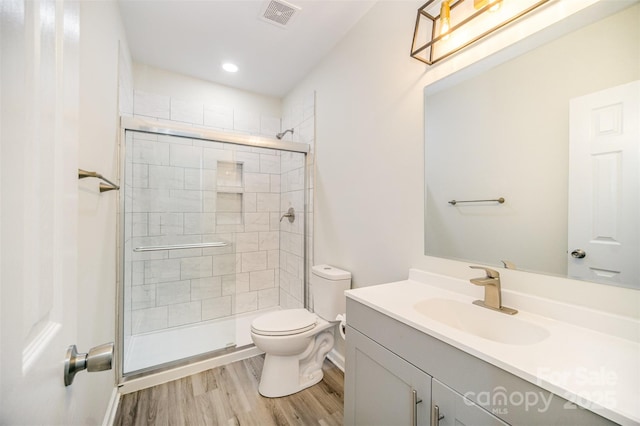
(228, 395)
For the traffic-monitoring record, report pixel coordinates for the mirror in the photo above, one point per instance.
(505, 133)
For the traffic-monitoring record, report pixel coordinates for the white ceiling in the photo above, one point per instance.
(196, 37)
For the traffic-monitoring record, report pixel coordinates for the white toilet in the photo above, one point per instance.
(296, 341)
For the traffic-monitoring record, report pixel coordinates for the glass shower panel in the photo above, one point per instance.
(293, 234)
(183, 203)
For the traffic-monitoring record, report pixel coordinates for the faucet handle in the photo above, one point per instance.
(491, 273)
(508, 264)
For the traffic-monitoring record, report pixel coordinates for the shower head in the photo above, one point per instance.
(281, 135)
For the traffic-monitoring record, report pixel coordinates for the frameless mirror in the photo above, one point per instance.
(505, 133)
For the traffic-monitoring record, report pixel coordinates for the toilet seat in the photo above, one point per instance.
(284, 323)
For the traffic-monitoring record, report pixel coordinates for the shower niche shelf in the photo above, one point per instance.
(229, 208)
(229, 175)
(229, 198)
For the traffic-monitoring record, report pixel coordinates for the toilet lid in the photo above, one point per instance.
(283, 323)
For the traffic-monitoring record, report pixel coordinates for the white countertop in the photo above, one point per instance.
(590, 358)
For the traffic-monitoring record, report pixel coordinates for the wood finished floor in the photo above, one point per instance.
(228, 395)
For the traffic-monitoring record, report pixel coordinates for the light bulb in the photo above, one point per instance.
(445, 19)
(495, 4)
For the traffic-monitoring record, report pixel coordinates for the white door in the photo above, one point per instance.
(38, 215)
(604, 186)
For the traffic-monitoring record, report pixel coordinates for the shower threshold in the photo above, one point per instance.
(148, 350)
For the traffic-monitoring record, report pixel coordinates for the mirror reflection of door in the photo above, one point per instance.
(604, 186)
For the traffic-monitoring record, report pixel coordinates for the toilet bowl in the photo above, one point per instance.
(296, 341)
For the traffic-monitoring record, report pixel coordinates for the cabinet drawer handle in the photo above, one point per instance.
(414, 407)
(435, 415)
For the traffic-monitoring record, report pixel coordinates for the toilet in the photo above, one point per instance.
(296, 341)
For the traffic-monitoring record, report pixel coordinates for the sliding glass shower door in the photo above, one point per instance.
(183, 203)
(207, 242)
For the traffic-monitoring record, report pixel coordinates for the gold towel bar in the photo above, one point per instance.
(103, 188)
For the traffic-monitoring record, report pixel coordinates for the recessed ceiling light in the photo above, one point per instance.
(229, 67)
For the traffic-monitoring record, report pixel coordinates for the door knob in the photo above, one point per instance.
(98, 359)
(578, 254)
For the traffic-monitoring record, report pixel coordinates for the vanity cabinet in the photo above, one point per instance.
(387, 360)
(385, 389)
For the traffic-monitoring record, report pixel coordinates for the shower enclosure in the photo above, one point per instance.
(206, 238)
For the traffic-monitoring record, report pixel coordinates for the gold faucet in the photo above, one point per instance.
(492, 291)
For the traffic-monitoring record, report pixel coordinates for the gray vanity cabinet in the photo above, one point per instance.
(387, 360)
(384, 389)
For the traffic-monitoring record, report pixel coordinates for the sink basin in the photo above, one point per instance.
(482, 322)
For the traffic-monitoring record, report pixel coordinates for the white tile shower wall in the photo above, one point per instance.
(219, 117)
(301, 117)
(166, 206)
(274, 195)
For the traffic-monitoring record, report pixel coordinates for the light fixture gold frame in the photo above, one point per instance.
(426, 49)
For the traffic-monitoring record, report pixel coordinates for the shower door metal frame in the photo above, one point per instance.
(168, 128)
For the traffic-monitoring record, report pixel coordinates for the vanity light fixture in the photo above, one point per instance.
(444, 27)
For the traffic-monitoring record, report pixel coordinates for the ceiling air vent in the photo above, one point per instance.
(279, 12)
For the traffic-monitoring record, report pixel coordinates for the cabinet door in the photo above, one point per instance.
(456, 410)
(381, 388)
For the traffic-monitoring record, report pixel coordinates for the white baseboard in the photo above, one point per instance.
(337, 359)
(112, 408)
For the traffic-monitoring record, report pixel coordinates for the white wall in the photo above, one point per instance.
(103, 55)
(369, 157)
(368, 178)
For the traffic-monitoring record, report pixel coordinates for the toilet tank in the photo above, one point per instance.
(328, 285)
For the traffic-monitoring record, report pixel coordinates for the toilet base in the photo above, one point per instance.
(286, 375)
